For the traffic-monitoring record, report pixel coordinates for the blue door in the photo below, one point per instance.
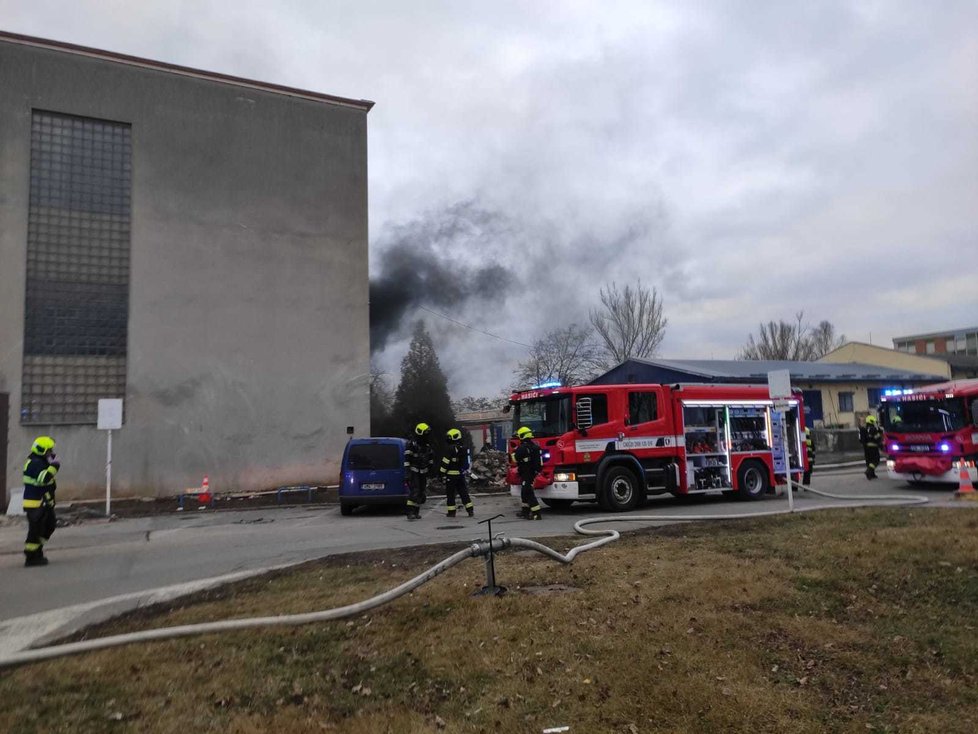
(813, 406)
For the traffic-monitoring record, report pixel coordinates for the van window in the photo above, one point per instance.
(374, 456)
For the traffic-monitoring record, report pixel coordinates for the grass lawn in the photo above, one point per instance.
(839, 621)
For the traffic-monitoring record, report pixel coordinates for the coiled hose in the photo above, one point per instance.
(476, 549)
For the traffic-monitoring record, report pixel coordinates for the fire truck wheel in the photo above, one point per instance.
(346, 509)
(620, 490)
(752, 480)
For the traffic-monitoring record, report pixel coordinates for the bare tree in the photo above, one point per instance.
(473, 404)
(630, 322)
(797, 342)
(566, 355)
(824, 339)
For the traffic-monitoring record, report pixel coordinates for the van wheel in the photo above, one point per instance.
(346, 509)
(752, 481)
(620, 490)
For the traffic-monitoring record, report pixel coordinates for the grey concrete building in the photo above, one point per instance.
(193, 243)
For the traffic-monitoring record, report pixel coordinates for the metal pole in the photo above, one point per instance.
(490, 589)
(108, 476)
(787, 459)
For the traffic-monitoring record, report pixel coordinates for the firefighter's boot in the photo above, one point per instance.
(471, 511)
(535, 516)
(450, 513)
(35, 558)
(524, 513)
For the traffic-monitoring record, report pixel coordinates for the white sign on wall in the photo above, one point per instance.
(110, 414)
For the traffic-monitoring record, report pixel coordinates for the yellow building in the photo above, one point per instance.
(861, 353)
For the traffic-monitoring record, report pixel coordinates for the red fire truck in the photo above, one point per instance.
(616, 444)
(929, 430)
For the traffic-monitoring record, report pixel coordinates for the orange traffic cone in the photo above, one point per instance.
(204, 498)
(966, 490)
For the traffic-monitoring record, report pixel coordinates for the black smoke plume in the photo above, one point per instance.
(444, 261)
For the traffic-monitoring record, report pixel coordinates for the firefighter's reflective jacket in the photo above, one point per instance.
(527, 458)
(418, 456)
(455, 462)
(39, 483)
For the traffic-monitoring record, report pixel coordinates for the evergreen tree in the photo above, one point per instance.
(422, 394)
(381, 401)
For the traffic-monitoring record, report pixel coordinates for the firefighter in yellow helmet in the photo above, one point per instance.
(454, 464)
(40, 471)
(810, 452)
(870, 437)
(528, 464)
(418, 458)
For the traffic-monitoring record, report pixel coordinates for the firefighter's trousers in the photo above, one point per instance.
(456, 485)
(418, 483)
(807, 478)
(528, 498)
(41, 522)
(872, 455)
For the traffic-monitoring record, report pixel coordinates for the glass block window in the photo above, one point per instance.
(77, 291)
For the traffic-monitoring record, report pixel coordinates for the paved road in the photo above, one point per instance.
(99, 568)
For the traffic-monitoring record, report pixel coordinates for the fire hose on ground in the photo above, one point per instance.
(477, 549)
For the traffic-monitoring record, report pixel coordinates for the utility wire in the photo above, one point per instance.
(473, 328)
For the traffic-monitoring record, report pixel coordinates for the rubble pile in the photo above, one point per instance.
(488, 470)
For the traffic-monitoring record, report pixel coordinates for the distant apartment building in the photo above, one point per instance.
(957, 347)
(957, 341)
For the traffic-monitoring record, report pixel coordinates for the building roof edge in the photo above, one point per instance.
(24, 40)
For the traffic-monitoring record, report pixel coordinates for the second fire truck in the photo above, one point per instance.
(616, 444)
(928, 432)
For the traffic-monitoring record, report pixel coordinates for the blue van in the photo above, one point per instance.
(372, 473)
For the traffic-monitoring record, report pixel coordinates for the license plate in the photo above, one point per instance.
(371, 486)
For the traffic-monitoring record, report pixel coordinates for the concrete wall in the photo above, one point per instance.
(248, 349)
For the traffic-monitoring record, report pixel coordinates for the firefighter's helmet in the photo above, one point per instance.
(42, 444)
(524, 432)
(454, 435)
(422, 429)
(870, 419)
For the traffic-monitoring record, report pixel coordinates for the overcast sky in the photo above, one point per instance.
(748, 159)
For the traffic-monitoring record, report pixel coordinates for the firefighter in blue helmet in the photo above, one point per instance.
(870, 437)
(528, 464)
(454, 464)
(40, 471)
(418, 458)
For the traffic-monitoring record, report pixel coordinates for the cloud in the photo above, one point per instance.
(749, 159)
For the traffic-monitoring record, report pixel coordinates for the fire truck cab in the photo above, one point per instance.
(616, 444)
(928, 432)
